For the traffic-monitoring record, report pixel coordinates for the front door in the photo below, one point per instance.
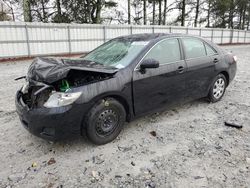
(164, 86)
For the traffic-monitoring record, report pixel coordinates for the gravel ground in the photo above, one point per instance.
(191, 148)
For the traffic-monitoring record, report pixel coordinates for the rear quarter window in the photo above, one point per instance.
(210, 51)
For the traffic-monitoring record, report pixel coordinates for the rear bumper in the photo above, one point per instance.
(232, 71)
(50, 123)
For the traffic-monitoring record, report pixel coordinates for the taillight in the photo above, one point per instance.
(235, 58)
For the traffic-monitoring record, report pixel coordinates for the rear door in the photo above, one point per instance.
(163, 86)
(200, 67)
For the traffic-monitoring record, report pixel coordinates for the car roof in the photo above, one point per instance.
(158, 36)
(149, 36)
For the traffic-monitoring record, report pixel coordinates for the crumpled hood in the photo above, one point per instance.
(49, 70)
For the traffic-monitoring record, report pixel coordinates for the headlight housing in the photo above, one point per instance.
(58, 99)
(25, 87)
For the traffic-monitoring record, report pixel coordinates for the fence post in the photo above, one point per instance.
(245, 36)
(212, 35)
(27, 39)
(222, 36)
(238, 36)
(231, 36)
(104, 33)
(170, 29)
(131, 29)
(69, 40)
(200, 32)
(153, 29)
(186, 30)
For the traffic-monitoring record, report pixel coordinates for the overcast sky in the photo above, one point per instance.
(123, 11)
(123, 8)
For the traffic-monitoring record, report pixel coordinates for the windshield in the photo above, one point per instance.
(116, 53)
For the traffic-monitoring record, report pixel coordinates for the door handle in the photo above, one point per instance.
(180, 69)
(216, 60)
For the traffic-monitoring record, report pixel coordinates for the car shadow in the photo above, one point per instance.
(78, 142)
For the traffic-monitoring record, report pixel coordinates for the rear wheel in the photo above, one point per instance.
(218, 88)
(105, 121)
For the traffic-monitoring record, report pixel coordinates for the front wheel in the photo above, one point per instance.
(218, 88)
(105, 121)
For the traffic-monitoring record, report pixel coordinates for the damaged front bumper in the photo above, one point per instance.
(47, 104)
(50, 123)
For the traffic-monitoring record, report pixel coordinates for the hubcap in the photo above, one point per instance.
(219, 87)
(106, 122)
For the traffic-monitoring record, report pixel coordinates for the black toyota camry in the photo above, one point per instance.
(124, 78)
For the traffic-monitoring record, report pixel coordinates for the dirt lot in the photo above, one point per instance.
(192, 147)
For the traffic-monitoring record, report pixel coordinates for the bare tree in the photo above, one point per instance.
(231, 14)
(9, 4)
(209, 12)
(242, 9)
(183, 12)
(96, 12)
(42, 10)
(153, 1)
(160, 16)
(88, 11)
(45, 17)
(244, 18)
(138, 8)
(59, 9)
(165, 12)
(197, 11)
(3, 13)
(27, 11)
(129, 12)
(144, 12)
(248, 16)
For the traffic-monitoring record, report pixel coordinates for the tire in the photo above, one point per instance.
(105, 121)
(218, 88)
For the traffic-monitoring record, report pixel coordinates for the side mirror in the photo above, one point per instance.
(149, 64)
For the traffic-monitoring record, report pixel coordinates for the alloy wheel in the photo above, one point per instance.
(219, 88)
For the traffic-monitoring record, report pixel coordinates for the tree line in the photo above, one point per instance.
(210, 13)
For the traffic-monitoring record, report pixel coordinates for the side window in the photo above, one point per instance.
(194, 48)
(210, 50)
(166, 51)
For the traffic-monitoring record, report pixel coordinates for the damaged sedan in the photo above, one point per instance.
(124, 78)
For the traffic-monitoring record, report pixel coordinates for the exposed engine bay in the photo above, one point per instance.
(44, 80)
(77, 78)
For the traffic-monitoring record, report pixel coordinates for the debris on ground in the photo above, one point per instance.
(229, 124)
(34, 164)
(127, 148)
(97, 159)
(96, 176)
(198, 177)
(248, 160)
(17, 177)
(51, 161)
(118, 176)
(124, 149)
(153, 133)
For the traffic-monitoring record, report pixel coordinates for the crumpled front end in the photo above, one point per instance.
(48, 104)
(35, 94)
(50, 124)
